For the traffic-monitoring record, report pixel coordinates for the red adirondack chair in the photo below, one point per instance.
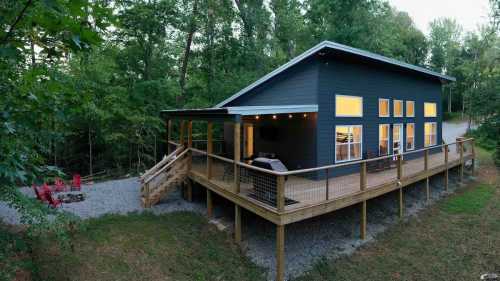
(59, 185)
(40, 193)
(53, 202)
(76, 183)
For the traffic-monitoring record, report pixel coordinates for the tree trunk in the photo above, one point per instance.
(187, 51)
(90, 153)
(449, 101)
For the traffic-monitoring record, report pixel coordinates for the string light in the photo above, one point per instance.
(274, 117)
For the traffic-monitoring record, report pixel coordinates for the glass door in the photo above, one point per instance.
(397, 138)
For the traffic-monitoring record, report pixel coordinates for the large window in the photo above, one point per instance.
(410, 108)
(398, 108)
(348, 106)
(348, 142)
(383, 108)
(410, 136)
(430, 109)
(430, 133)
(383, 139)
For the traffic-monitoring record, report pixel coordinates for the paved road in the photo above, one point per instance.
(453, 130)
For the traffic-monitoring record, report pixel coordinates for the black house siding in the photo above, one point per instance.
(348, 76)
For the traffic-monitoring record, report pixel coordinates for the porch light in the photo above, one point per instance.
(257, 117)
(305, 115)
(274, 117)
(290, 116)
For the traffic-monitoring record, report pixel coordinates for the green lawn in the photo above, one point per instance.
(178, 246)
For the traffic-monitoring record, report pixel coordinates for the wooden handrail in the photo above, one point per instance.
(162, 162)
(165, 167)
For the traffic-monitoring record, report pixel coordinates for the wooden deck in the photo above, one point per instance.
(305, 191)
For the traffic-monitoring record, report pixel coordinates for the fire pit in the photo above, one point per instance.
(71, 197)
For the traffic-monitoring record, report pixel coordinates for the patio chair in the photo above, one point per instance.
(59, 185)
(76, 182)
(53, 202)
(40, 193)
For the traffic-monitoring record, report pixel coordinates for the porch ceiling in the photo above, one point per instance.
(272, 109)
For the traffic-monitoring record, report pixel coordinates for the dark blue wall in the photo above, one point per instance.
(318, 79)
(297, 85)
(346, 75)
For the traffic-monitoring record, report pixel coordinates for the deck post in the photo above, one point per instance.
(210, 204)
(362, 187)
(461, 167)
(446, 167)
(473, 152)
(426, 168)
(189, 191)
(400, 176)
(280, 252)
(327, 190)
(181, 133)
(280, 193)
(237, 224)
(237, 155)
(169, 135)
(210, 148)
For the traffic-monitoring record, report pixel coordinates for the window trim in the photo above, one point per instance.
(406, 105)
(388, 107)
(431, 145)
(435, 105)
(347, 115)
(406, 137)
(388, 139)
(348, 144)
(394, 108)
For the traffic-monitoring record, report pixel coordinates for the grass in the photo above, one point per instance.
(456, 239)
(178, 246)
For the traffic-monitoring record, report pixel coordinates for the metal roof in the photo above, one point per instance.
(339, 47)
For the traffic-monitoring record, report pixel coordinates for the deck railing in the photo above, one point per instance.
(282, 191)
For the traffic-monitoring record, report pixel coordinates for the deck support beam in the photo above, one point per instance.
(400, 177)
(181, 133)
(426, 168)
(210, 204)
(461, 167)
(473, 151)
(189, 191)
(237, 224)
(169, 135)
(362, 187)
(280, 252)
(237, 155)
(210, 149)
(446, 171)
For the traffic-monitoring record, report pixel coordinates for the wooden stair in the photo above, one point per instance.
(164, 177)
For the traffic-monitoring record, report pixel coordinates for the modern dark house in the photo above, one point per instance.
(339, 104)
(332, 128)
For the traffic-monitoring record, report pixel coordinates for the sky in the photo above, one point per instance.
(468, 13)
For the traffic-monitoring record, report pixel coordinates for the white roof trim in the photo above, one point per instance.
(279, 109)
(336, 46)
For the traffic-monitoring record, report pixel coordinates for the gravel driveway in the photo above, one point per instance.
(453, 130)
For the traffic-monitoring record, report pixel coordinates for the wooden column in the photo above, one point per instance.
(237, 224)
(446, 167)
(210, 148)
(280, 252)
(210, 204)
(473, 152)
(189, 186)
(280, 193)
(426, 168)
(461, 167)
(362, 186)
(169, 135)
(237, 155)
(400, 176)
(181, 133)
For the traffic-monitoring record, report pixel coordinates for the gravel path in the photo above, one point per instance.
(110, 197)
(453, 130)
